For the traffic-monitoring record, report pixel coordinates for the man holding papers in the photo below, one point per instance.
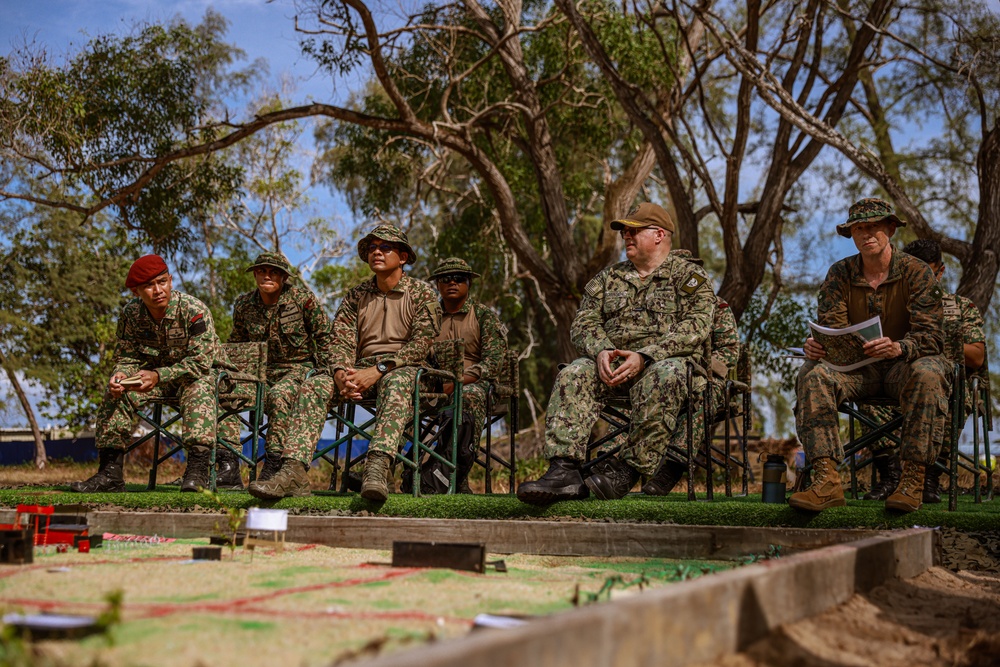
(902, 292)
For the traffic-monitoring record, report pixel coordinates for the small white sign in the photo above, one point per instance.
(262, 519)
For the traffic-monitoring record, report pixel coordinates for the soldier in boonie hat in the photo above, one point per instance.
(392, 235)
(272, 259)
(645, 215)
(870, 209)
(453, 265)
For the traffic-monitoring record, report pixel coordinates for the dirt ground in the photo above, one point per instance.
(307, 606)
(940, 618)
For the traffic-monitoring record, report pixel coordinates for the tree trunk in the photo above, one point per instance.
(979, 271)
(40, 458)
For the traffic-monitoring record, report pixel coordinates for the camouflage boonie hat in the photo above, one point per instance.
(686, 254)
(645, 215)
(387, 233)
(272, 259)
(453, 265)
(871, 209)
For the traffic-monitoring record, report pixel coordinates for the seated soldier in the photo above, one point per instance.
(485, 345)
(383, 331)
(725, 345)
(901, 289)
(167, 340)
(299, 337)
(964, 343)
(639, 323)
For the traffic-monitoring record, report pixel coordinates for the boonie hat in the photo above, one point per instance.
(686, 254)
(870, 209)
(144, 269)
(645, 215)
(453, 265)
(387, 233)
(272, 259)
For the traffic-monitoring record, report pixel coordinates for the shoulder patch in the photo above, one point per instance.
(593, 287)
(198, 325)
(693, 282)
(309, 304)
(721, 304)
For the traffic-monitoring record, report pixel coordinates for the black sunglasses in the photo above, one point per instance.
(457, 278)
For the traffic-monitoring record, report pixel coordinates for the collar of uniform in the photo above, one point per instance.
(895, 269)
(466, 307)
(173, 305)
(372, 285)
(662, 271)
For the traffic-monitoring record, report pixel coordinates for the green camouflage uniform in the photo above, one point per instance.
(725, 356)
(393, 392)
(920, 379)
(963, 324)
(183, 349)
(299, 340)
(667, 318)
(492, 346)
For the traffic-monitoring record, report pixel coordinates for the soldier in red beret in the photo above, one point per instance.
(167, 342)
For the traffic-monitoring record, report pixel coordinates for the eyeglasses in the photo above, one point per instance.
(384, 248)
(457, 278)
(631, 231)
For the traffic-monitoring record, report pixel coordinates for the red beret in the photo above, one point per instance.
(145, 269)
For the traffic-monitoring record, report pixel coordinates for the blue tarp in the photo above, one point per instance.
(23, 451)
(83, 450)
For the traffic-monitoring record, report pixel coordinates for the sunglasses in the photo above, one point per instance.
(384, 248)
(631, 231)
(457, 278)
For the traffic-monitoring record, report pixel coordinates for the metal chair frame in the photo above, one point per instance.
(981, 411)
(426, 406)
(497, 409)
(226, 404)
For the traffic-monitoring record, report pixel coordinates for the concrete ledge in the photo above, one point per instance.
(554, 538)
(695, 621)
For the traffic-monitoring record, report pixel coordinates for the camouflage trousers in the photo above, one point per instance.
(296, 412)
(393, 396)
(922, 388)
(883, 413)
(474, 405)
(656, 396)
(196, 403)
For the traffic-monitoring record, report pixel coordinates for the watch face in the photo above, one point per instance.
(381, 367)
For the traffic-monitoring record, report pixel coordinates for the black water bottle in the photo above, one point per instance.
(775, 479)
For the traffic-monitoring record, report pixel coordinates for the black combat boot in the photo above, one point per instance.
(889, 472)
(196, 473)
(665, 479)
(562, 481)
(612, 479)
(932, 484)
(110, 474)
(227, 470)
(272, 464)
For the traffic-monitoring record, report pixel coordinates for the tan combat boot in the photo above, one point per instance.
(291, 480)
(825, 491)
(375, 484)
(910, 492)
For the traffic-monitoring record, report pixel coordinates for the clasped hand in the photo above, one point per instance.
(632, 365)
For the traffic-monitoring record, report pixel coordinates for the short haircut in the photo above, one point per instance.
(927, 250)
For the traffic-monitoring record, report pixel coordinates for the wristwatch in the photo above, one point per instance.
(383, 367)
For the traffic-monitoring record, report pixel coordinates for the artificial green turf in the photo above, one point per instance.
(748, 511)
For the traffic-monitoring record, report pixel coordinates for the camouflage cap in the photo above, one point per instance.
(388, 233)
(684, 253)
(645, 215)
(870, 209)
(272, 259)
(453, 265)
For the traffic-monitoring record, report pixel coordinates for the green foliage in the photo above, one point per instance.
(61, 287)
(117, 103)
